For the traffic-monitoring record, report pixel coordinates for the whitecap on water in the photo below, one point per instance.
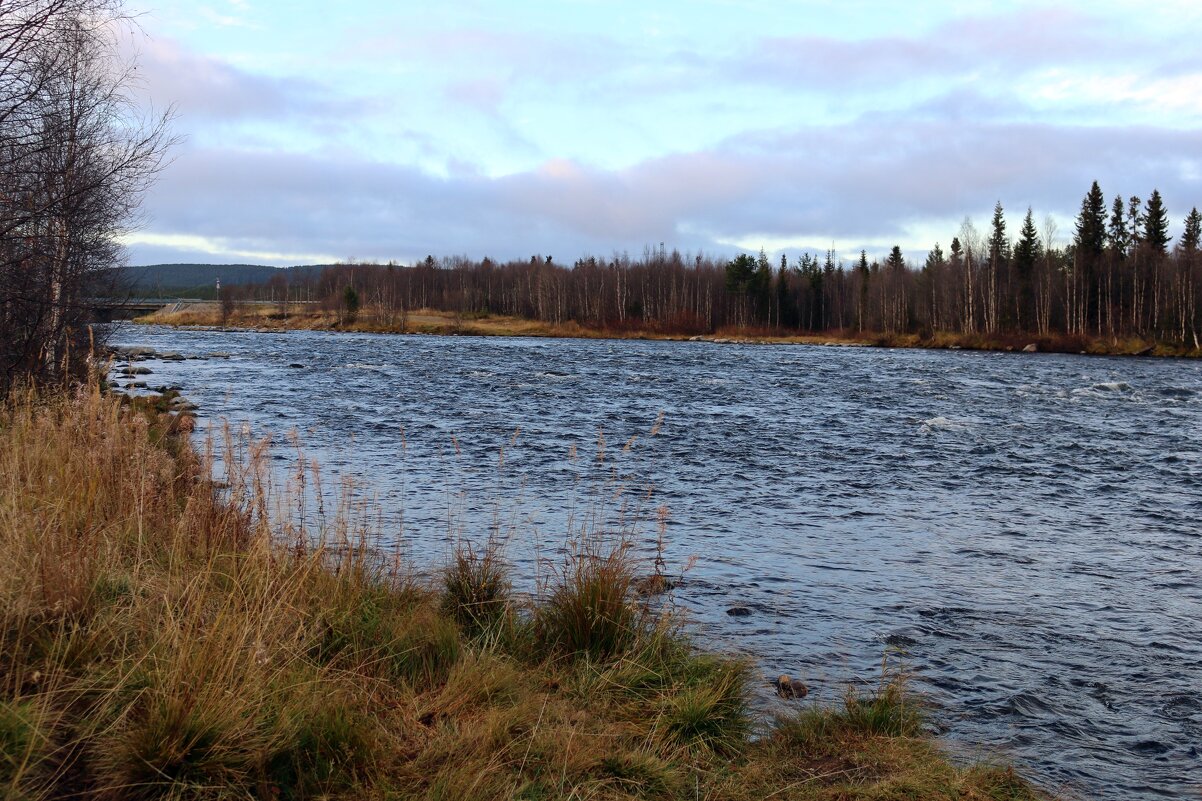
(942, 424)
(1102, 388)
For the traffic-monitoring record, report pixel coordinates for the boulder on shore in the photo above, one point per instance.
(1032, 348)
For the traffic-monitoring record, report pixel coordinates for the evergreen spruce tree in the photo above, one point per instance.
(935, 259)
(1117, 235)
(1027, 251)
(739, 273)
(1091, 223)
(350, 302)
(999, 246)
(784, 306)
(1026, 255)
(1191, 236)
(1135, 222)
(1156, 224)
(862, 270)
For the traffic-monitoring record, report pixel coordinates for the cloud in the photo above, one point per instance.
(218, 248)
(1003, 45)
(483, 94)
(1180, 93)
(875, 180)
(206, 89)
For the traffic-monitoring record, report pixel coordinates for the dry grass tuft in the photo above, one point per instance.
(588, 608)
(476, 589)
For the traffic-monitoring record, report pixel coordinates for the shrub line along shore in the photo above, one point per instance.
(262, 317)
(167, 636)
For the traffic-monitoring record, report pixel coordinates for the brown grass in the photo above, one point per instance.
(166, 637)
(430, 321)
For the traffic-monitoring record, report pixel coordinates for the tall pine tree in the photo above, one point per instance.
(1156, 224)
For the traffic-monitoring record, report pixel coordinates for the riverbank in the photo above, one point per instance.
(162, 639)
(428, 321)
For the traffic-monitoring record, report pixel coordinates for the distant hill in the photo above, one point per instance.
(200, 280)
(186, 276)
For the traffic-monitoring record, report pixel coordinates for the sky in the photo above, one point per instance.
(393, 130)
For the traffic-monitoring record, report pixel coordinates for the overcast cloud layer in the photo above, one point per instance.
(393, 131)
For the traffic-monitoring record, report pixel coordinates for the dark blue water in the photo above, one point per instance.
(1023, 531)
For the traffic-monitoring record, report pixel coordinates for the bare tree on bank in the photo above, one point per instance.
(76, 155)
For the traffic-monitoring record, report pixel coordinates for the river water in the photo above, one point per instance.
(1022, 532)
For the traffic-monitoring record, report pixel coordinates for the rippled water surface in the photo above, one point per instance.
(1026, 529)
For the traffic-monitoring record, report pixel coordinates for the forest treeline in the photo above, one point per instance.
(1116, 276)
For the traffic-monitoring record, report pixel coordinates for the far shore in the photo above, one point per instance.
(265, 317)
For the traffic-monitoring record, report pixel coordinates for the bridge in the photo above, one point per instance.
(104, 310)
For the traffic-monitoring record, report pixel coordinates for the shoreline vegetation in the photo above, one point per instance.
(268, 317)
(164, 635)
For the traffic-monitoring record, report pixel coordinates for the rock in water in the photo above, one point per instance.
(781, 683)
(738, 611)
(1032, 348)
(789, 687)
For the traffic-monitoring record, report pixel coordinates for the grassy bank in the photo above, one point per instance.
(428, 321)
(160, 639)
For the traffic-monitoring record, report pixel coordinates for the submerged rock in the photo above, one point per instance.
(654, 584)
(738, 611)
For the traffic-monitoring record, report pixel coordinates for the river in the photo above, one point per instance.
(1021, 532)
